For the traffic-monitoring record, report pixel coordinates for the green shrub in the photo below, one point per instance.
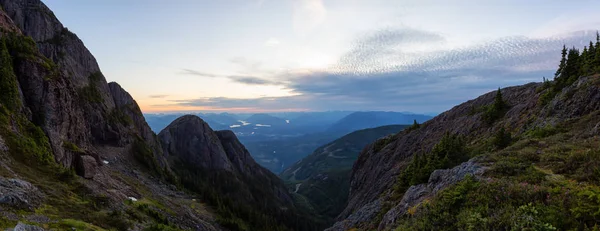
(71, 147)
(502, 139)
(542, 132)
(449, 152)
(527, 217)
(9, 93)
(381, 143)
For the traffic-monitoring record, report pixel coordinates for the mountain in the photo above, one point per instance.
(523, 157)
(76, 153)
(160, 121)
(266, 120)
(218, 167)
(323, 177)
(371, 119)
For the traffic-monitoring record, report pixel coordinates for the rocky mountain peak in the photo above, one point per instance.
(192, 140)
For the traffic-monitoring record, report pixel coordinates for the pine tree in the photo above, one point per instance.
(563, 63)
(597, 55)
(499, 103)
(571, 70)
(584, 67)
(592, 50)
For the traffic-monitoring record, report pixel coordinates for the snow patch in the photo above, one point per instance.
(132, 199)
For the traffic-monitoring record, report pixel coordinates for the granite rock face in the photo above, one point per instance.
(65, 98)
(20, 194)
(438, 180)
(71, 101)
(25, 227)
(191, 141)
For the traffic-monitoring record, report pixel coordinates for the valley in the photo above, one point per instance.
(306, 149)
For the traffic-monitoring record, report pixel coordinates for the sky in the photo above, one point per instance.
(423, 56)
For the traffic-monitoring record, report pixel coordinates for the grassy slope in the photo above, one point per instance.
(547, 179)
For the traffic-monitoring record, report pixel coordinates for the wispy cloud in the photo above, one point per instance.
(158, 96)
(248, 80)
(272, 42)
(378, 74)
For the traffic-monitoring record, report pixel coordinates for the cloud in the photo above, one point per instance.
(380, 74)
(199, 73)
(158, 96)
(248, 80)
(272, 42)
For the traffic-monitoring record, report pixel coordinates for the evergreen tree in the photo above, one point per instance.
(592, 48)
(499, 103)
(584, 68)
(563, 63)
(597, 55)
(571, 70)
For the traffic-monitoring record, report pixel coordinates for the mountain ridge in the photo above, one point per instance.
(375, 190)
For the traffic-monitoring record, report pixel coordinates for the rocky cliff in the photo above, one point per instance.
(191, 142)
(536, 129)
(203, 157)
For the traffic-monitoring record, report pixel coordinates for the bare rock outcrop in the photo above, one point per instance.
(192, 140)
(19, 194)
(193, 144)
(438, 180)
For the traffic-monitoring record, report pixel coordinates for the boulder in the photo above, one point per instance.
(25, 227)
(86, 166)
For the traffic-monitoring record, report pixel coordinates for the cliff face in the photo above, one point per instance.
(376, 171)
(190, 142)
(66, 93)
(58, 117)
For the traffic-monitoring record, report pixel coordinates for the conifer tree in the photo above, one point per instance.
(563, 63)
(597, 55)
(583, 62)
(571, 69)
(499, 103)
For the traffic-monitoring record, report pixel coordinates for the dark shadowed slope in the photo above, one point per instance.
(323, 177)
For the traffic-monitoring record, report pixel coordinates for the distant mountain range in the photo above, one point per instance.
(371, 119)
(277, 140)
